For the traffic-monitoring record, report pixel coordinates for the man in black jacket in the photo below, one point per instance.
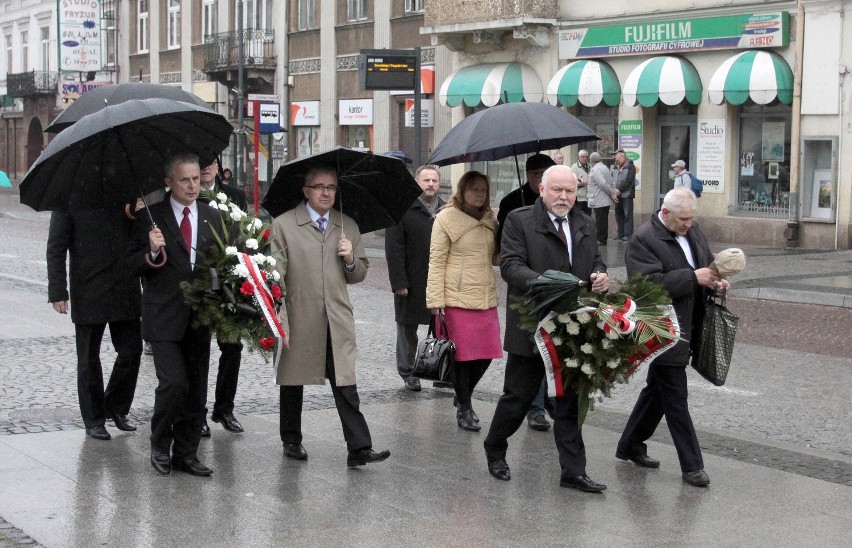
(407, 254)
(624, 179)
(230, 353)
(532, 244)
(103, 292)
(670, 250)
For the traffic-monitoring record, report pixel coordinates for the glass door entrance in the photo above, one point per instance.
(676, 142)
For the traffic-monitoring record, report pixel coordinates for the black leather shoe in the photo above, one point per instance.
(205, 430)
(295, 451)
(122, 423)
(363, 456)
(161, 462)
(191, 466)
(466, 422)
(228, 421)
(499, 469)
(473, 416)
(583, 483)
(413, 384)
(640, 460)
(538, 423)
(98, 433)
(698, 478)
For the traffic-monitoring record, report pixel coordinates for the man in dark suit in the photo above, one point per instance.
(535, 239)
(103, 293)
(670, 250)
(184, 228)
(624, 178)
(231, 353)
(407, 254)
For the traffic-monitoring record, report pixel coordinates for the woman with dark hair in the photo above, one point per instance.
(461, 286)
(227, 175)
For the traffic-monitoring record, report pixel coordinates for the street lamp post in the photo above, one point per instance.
(240, 95)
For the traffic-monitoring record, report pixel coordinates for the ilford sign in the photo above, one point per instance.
(727, 32)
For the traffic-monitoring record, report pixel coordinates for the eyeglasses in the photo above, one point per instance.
(331, 189)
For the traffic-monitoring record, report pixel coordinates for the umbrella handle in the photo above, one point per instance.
(161, 263)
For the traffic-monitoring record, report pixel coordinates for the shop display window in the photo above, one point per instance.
(763, 163)
(819, 178)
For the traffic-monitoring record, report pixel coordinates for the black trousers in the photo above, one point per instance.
(523, 380)
(602, 222)
(665, 394)
(584, 207)
(227, 377)
(355, 429)
(95, 402)
(181, 396)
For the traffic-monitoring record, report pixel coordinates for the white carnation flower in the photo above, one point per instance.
(549, 326)
(236, 215)
(231, 250)
(557, 341)
(612, 364)
(606, 344)
(584, 317)
(587, 369)
(222, 197)
(223, 207)
(259, 259)
(271, 261)
(564, 318)
(612, 334)
(275, 275)
(213, 204)
(241, 271)
(571, 363)
(573, 328)
(256, 223)
(587, 348)
(251, 243)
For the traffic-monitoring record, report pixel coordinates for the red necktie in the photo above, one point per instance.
(562, 235)
(186, 229)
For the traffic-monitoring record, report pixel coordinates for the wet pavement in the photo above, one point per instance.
(777, 438)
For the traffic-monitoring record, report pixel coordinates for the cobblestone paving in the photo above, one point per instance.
(12, 537)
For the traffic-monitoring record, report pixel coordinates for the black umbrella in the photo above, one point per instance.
(508, 130)
(374, 190)
(104, 96)
(111, 157)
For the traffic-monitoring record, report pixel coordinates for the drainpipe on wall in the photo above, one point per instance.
(791, 234)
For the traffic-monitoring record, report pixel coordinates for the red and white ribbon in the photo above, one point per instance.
(262, 295)
(620, 319)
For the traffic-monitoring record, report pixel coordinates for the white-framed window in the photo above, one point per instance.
(357, 10)
(141, 26)
(307, 14)
(109, 33)
(173, 25)
(415, 6)
(209, 21)
(45, 48)
(25, 51)
(9, 53)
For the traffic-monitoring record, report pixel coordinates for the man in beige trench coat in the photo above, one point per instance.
(319, 252)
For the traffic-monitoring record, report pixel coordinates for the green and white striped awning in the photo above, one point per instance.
(667, 79)
(761, 75)
(491, 84)
(589, 82)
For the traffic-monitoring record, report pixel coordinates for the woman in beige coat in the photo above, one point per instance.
(461, 286)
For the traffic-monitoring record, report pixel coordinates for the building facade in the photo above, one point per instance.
(750, 95)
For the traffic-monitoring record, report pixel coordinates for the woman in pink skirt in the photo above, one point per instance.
(461, 286)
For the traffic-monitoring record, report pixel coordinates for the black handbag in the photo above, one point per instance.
(435, 356)
(713, 356)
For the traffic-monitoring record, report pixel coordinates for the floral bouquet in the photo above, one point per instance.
(239, 296)
(588, 341)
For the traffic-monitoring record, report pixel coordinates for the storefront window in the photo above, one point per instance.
(603, 120)
(819, 188)
(763, 173)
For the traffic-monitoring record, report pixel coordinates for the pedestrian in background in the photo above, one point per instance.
(581, 170)
(103, 293)
(559, 158)
(624, 179)
(601, 195)
(319, 252)
(461, 286)
(407, 255)
(682, 179)
(672, 251)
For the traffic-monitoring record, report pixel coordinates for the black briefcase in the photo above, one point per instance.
(435, 356)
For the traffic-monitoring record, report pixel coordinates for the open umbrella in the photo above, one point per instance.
(508, 130)
(374, 190)
(111, 157)
(104, 96)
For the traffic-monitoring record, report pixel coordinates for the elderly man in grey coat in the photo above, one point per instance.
(319, 252)
(601, 194)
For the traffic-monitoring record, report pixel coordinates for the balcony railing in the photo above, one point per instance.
(454, 12)
(221, 51)
(36, 82)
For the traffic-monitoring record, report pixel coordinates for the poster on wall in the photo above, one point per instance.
(821, 194)
(747, 164)
(630, 139)
(710, 163)
(773, 142)
(607, 133)
(80, 36)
